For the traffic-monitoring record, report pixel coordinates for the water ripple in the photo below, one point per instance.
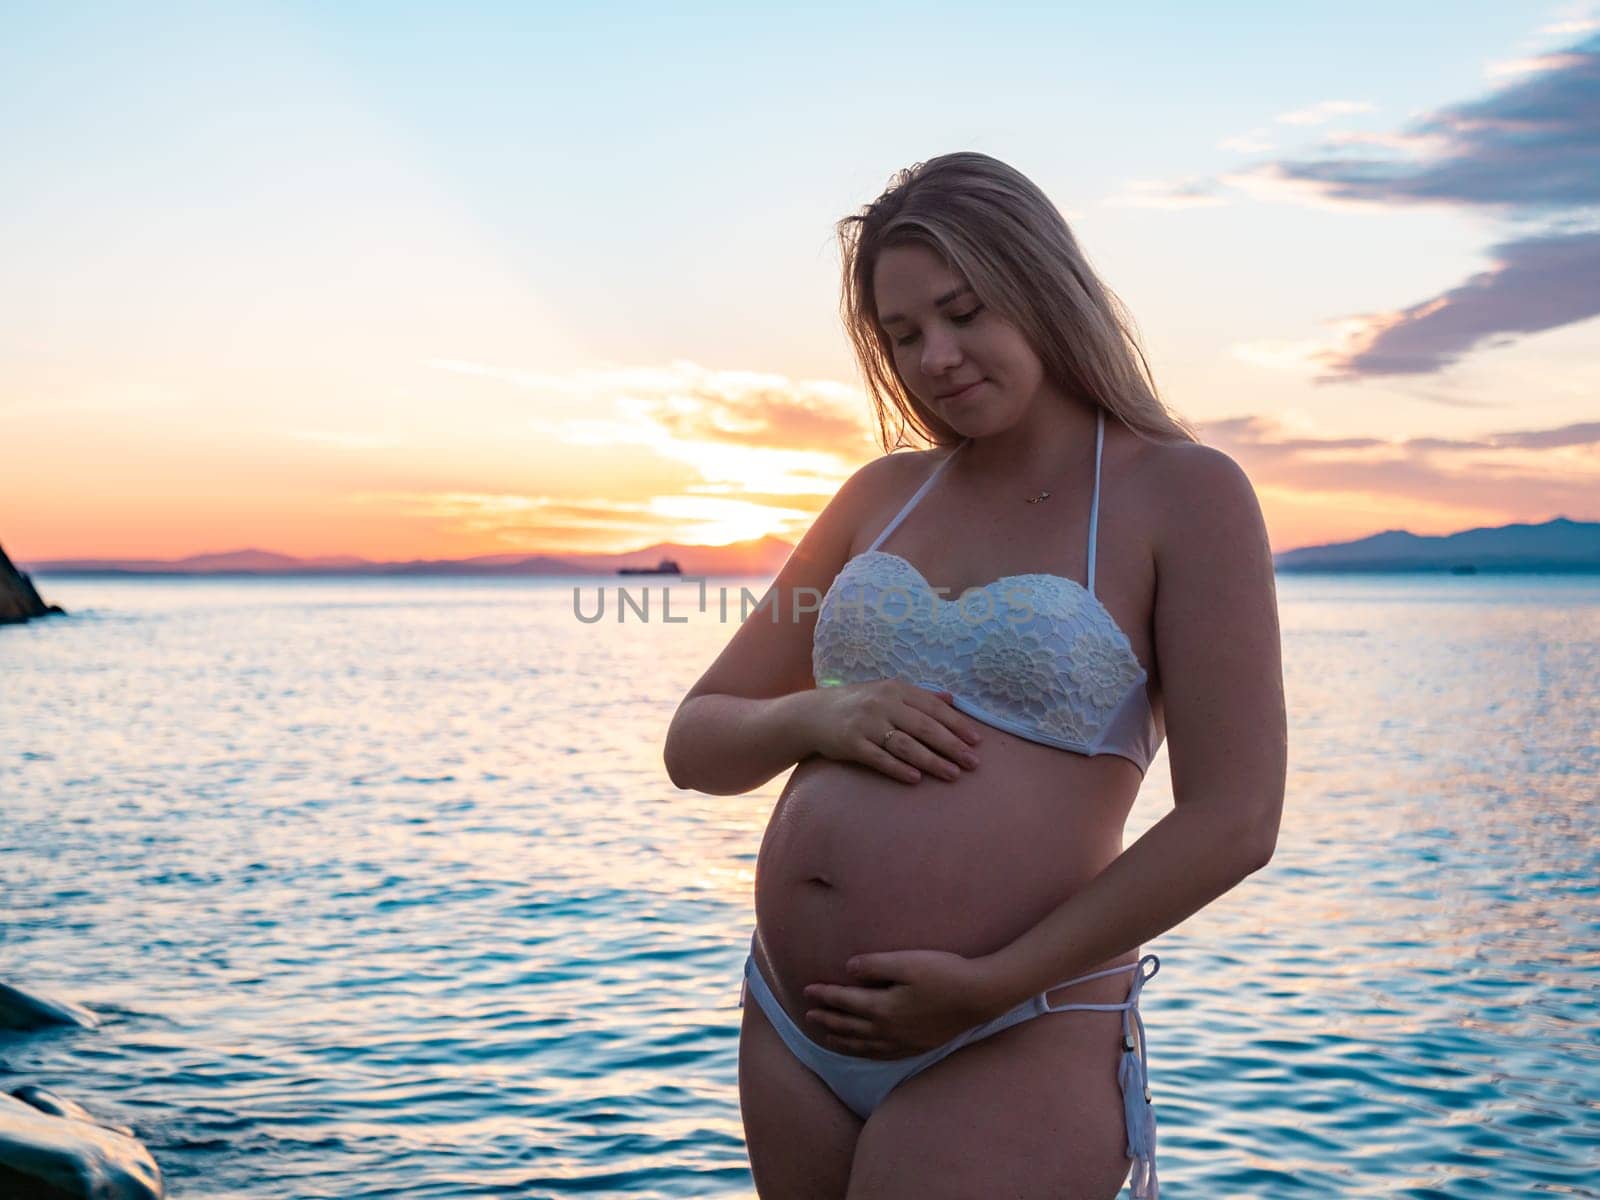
(383, 894)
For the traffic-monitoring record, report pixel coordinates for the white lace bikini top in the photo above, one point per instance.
(1036, 655)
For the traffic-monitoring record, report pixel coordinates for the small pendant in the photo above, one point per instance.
(1039, 497)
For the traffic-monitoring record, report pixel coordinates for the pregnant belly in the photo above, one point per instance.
(854, 861)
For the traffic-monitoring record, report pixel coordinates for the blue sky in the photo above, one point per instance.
(427, 277)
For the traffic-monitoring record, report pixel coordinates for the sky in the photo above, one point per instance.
(426, 280)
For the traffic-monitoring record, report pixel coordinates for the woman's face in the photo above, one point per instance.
(971, 367)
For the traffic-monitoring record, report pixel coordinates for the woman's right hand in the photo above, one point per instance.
(852, 722)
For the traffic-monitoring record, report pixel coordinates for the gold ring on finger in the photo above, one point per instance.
(893, 729)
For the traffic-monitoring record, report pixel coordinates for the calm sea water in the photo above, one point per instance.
(383, 891)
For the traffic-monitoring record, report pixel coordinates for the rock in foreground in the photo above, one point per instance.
(53, 1105)
(45, 1157)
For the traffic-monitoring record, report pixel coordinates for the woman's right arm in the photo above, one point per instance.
(724, 745)
(750, 715)
(757, 711)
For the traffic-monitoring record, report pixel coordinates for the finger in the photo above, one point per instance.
(939, 724)
(864, 1002)
(879, 759)
(840, 1023)
(965, 727)
(969, 731)
(884, 968)
(939, 751)
(955, 737)
(910, 744)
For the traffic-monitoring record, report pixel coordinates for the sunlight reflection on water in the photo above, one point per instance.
(384, 891)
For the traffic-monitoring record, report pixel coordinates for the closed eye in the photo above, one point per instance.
(958, 318)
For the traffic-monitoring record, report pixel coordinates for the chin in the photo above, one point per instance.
(978, 425)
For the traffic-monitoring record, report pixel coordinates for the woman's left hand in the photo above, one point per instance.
(904, 1002)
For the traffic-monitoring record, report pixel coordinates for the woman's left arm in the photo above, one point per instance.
(1219, 661)
(1220, 664)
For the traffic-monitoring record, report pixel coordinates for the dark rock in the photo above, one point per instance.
(48, 1157)
(48, 1102)
(19, 599)
(19, 1010)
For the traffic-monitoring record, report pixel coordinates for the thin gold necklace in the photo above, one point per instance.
(1044, 495)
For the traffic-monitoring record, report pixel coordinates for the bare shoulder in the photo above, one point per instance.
(867, 484)
(878, 487)
(1197, 497)
(899, 467)
(854, 507)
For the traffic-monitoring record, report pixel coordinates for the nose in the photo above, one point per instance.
(940, 352)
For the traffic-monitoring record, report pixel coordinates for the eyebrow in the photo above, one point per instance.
(944, 299)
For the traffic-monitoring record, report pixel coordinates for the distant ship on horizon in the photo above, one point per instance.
(666, 566)
(758, 557)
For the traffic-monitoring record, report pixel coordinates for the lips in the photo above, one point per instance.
(960, 392)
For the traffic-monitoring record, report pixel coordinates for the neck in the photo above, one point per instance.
(1049, 446)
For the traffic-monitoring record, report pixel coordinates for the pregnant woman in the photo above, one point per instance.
(944, 979)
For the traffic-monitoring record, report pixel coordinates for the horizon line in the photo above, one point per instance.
(336, 561)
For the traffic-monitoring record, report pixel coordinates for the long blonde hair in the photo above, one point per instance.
(994, 226)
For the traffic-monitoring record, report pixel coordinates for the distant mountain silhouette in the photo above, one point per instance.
(1558, 545)
(762, 557)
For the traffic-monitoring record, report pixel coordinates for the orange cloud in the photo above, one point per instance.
(633, 456)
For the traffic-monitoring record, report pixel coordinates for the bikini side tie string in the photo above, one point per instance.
(1133, 1075)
